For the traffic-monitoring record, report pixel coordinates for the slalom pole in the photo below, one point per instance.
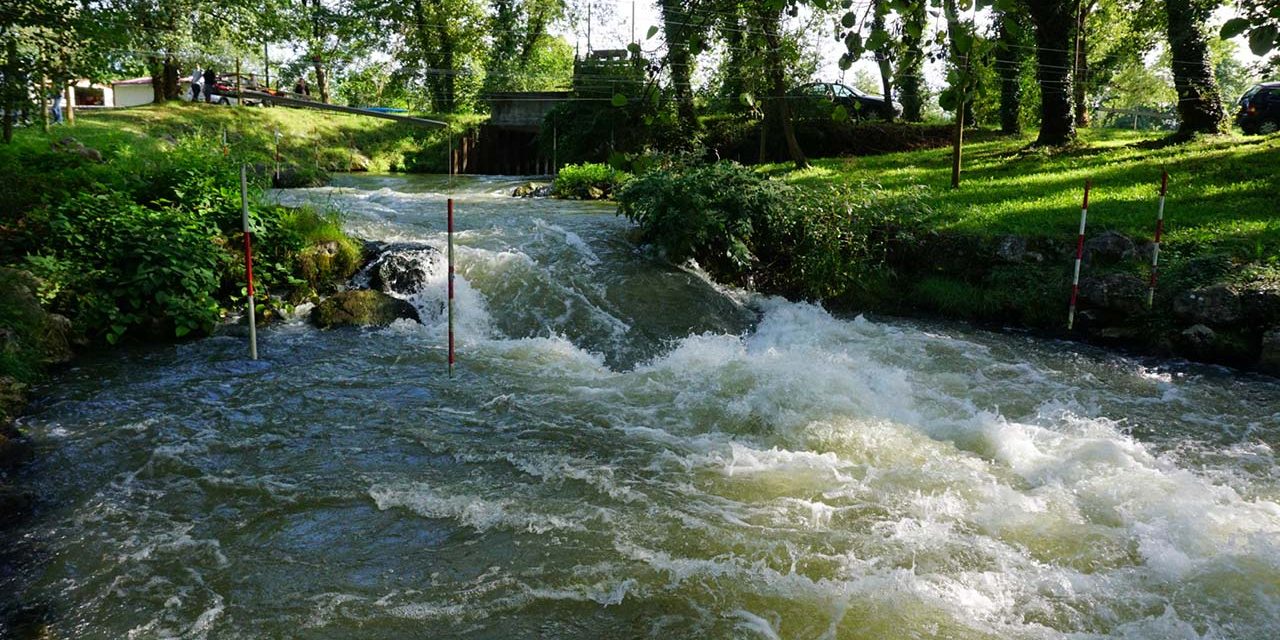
(248, 262)
(1155, 248)
(225, 149)
(1075, 278)
(450, 234)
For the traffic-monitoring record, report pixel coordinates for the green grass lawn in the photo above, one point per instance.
(1224, 192)
(307, 137)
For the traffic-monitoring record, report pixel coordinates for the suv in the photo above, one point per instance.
(1260, 109)
(818, 98)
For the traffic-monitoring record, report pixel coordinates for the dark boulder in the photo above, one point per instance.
(1108, 248)
(359, 308)
(1118, 292)
(402, 268)
(1216, 305)
(1011, 248)
(1269, 358)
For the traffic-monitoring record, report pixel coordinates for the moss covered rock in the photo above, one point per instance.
(360, 308)
(325, 264)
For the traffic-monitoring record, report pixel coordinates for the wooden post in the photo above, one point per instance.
(44, 104)
(957, 145)
(266, 65)
(239, 97)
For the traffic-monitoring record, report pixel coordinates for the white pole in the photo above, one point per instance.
(1155, 248)
(248, 262)
(450, 256)
(1075, 278)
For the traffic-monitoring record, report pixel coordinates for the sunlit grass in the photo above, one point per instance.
(1224, 192)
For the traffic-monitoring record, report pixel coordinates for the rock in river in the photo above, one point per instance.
(361, 307)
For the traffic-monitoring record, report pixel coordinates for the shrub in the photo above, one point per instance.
(750, 230)
(589, 181)
(113, 265)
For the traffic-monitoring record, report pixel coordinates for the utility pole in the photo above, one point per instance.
(633, 20)
(266, 65)
(588, 29)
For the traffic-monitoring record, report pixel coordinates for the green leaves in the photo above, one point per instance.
(618, 100)
(1262, 39)
(840, 113)
(1233, 28)
(653, 31)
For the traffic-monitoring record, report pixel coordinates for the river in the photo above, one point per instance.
(628, 450)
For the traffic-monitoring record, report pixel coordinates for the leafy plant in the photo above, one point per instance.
(589, 181)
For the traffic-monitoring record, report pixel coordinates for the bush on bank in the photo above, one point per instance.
(751, 230)
(147, 242)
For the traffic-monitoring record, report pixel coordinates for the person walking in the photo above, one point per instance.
(210, 79)
(57, 107)
(195, 85)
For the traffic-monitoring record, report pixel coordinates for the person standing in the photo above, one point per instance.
(57, 107)
(301, 88)
(210, 79)
(195, 85)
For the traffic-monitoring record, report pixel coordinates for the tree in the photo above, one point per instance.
(1054, 25)
(1009, 40)
(1081, 67)
(684, 27)
(522, 56)
(881, 44)
(1199, 101)
(767, 16)
(911, 68)
(1261, 21)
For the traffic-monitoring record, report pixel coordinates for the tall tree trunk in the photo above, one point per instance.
(735, 44)
(883, 61)
(170, 79)
(156, 67)
(1199, 101)
(12, 88)
(770, 23)
(1054, 21)
(1009, 65)
(1082, 63)
(678, 27)
(317, 51)
(911, 70)
(959, 58)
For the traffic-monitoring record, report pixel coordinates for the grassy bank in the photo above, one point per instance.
(308, 139)
(1222, 194)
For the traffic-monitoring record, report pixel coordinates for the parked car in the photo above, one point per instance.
(1260, 109)
(819, 98)
(225, 89)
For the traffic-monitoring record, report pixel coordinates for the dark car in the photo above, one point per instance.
(820, 98)
(1260, 109)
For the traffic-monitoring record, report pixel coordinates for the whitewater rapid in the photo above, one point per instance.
(629, 450)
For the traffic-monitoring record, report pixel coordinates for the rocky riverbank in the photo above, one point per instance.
(1206, 307)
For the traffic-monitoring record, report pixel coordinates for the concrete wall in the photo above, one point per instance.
(523, 110)
(132, 95)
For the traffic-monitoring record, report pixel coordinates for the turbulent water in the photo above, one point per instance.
(629, 451)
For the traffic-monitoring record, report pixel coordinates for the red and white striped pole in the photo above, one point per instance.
(248, 262)
(1075, 278)
(1155, 248)
(450, 234)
